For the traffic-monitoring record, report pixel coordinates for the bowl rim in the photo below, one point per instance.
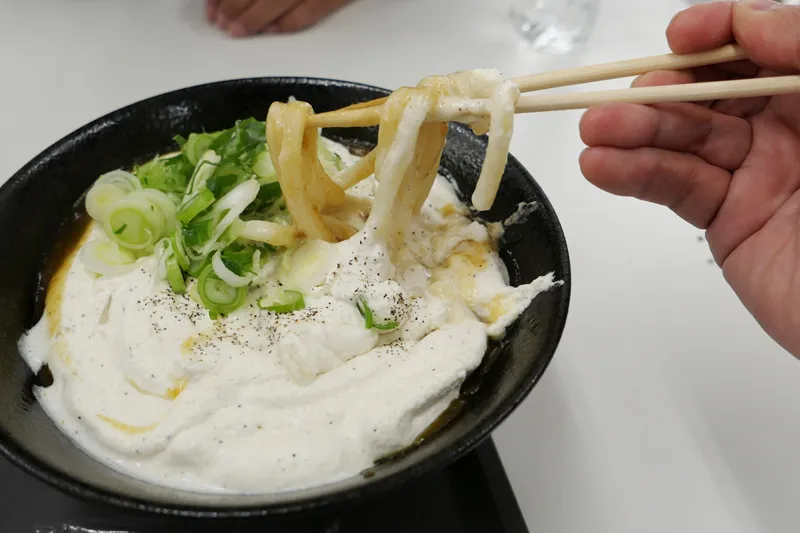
(311, 504)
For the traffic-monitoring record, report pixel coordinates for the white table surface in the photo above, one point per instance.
(666, 408)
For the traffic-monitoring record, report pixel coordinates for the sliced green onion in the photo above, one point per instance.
(168, 266)
(141, 229)
(196, 145)
(100, 198)
(224, 214)
(124, 181)
(175, 275)
(269, 193)
(264, 168)
(106, 258)
(168, 175)
(225, 138)
(178, 160)
(227, 275)
(231, 205)
(205, 168)
(143, 217)
(285, 302)
(196, 267)
(197, 232)
(239, 258)
(195, 205)
(219, 297)
(177, 246)
(242, 142)
(163, 202)
(226, 239)
(234, 168)
(220, 183)
(161, 251)
(369, 320)
(191, 288)
(265, 233)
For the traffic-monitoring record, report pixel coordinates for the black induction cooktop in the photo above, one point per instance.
(472, 495)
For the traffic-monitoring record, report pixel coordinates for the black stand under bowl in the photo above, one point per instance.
(473, 495)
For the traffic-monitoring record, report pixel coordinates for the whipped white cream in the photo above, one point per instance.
(146, 382)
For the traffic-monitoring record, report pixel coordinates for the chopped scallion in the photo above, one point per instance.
(285, 302)
(369, 319)
(175, 275)
(141, 225)
(166, 175)
(196, 145)
(176, 241)
(220, 183)
(197, 232)
(238, 259)
(196, 267)
(219, 297)
(195, 205)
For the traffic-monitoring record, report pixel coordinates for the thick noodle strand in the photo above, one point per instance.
(405, 162)
(304, 183)
(401, 120)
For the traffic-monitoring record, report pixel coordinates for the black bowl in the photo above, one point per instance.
(39, 199)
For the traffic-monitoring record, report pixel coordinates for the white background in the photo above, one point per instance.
(666, 408)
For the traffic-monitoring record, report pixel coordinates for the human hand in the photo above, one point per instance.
(731, 167)
(241, 18)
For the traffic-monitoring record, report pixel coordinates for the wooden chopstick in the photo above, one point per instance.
(690, 92)
(628, 68)
(536, 103)
(359, 115)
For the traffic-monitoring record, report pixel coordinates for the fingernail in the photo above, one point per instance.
(222, 21)
(760, 5)
(272, 28)
(236, 29)
(210, 13)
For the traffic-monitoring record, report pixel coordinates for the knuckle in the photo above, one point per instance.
(299, 19)
(247, 24)
(231, 8)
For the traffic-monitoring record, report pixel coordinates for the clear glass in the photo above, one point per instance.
(554, 26)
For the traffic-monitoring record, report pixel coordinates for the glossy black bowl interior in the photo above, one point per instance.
(39, 198)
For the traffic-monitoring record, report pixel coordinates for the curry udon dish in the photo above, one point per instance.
(263, 310)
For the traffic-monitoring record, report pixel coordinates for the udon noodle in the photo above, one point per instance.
(405, 161)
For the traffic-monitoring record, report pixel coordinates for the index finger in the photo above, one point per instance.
(701, 28)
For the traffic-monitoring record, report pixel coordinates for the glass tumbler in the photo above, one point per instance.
(553, 26)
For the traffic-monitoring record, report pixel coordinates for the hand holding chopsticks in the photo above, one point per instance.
(368, 113)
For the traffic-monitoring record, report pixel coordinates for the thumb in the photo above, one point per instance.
(769, 32)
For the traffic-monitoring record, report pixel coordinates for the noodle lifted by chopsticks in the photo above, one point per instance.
(405, 161)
